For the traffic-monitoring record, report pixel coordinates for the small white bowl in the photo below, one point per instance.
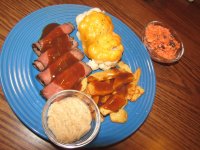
(95, 124)
(153, 55)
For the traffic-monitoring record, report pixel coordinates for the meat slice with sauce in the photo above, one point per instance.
(66, 79)
(47, 41)
(62, 63)
(61, 45)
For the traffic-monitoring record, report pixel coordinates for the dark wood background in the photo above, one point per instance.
(174, 122)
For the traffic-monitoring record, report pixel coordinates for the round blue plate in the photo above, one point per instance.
(22, 90)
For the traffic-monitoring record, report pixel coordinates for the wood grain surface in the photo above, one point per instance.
(174, 122)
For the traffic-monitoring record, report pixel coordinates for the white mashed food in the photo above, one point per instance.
(69, 119)
(101, 65)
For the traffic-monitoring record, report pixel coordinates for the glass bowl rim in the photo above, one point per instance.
(70, 145)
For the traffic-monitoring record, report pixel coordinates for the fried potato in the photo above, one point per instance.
(124, 67)
(104, 111)
(103, 99)
(131, 87)
(100, 87)
(120, 117)
(103, 75)
(83, 84)
(111, 90)
(96, 98)
(122, 79)
(138, 92)
(136, 75)
(130, 90)
(115, 102)
(102, 118)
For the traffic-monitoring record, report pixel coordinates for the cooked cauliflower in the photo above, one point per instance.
(101, 65)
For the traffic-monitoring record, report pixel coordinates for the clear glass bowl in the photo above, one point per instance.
(151, 51)
(95, 124)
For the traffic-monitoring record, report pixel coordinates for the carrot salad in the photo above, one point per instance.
(161, 41)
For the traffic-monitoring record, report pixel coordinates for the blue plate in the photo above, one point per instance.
(22, 90)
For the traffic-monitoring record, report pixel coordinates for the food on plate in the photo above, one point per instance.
(111, 89)
(137, 93)
(100, 88)
(101, 45)
(59, 61)
(104, 87)
(124, 67)
(103, 75)
(60, 46)
(69, 119)
(63, 62)
(161, 42)
(69, 78)
(116, 100)
(106, 47)
(82, 85)
(61, 68)
(104, 111)
(91, 24)
(120, 116)
(48, 40)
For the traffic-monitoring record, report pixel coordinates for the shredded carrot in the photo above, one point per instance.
(161, 41)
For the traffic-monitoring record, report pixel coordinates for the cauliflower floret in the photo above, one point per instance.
(80, 17)
(106, 48)
(93, 64)
(101, 65)
(99, 41)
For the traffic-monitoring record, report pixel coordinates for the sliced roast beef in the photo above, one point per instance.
(62, 45)
(47, 42)
(66, 79)
(62, 63)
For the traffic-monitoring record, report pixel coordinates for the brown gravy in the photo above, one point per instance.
(111, 94)
(60, 46)
(48, 29)
(116, 100)
(61, 64)
(55, 49)
(63, 41)
(70, 76)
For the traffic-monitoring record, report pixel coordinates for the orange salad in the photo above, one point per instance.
(161, 42)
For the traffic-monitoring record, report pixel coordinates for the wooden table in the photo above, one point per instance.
(174, 122)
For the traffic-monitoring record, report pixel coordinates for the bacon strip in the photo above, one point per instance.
(46, 43)
(62, 63)
(66, 79)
